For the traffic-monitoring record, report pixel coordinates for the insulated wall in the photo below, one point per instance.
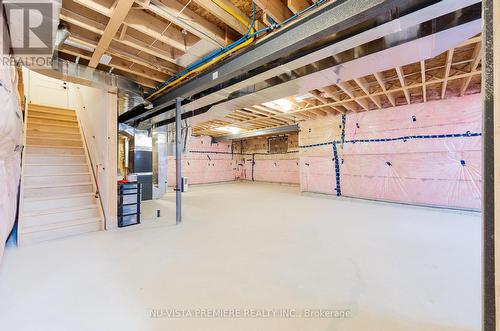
(259, 164)
(427, 153)
(317, 169)
(205, 162)
(248, 159)
(11, 128)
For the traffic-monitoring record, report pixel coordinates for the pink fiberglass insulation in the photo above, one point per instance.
(437, 171)
(205, 144)
(10, 158)
(317, 174)
(411, 163)
(205, 162)
(244, 169)
(211, 163)
(276, 171)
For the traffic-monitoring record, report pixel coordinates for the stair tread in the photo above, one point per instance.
(49, 129)
(59, 138)
(32, 125)
(58, 210)
(57, 155)
(53, 124)
(50, 111)
(55, 175)
(36, 105)
(60, 147)
(58, 185)
(63, 197)
(56, 165)
(50, 146)
(76, 131)
(45, 134)
(51, 118)
(59, 225)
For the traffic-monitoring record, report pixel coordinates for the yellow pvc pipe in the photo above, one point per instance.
(216, 59)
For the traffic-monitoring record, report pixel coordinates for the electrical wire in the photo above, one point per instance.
(164, 30)
(212, 57)
(218, 55)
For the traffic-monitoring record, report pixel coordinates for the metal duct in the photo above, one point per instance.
(61, 35)
(129, 92)
(128, 100)
(331, 18)
(186, 133)
(411, 52)
(400, 55)
(218, 91)
(80, 74)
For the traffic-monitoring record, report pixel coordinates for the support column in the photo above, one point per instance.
(491, 164)
(178, 162)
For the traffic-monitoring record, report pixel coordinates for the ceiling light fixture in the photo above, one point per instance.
(280, 104)
(303, 96)
(230, 129)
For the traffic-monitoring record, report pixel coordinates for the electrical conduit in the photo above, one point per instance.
(218, 55)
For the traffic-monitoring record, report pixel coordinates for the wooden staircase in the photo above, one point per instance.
(57, 187)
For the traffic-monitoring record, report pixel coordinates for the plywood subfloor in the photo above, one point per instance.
(257, 246)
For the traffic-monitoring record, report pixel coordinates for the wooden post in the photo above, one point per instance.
(495, 49)
(496, 89)
(491, 164)
(112, 162)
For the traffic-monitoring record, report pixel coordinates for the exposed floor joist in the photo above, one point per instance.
(457, 70)
(160, 35)
(117, 16)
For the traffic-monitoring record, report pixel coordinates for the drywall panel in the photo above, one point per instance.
(44, 90)
(97, 114)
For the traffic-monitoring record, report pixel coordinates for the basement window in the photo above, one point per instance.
(277, 145)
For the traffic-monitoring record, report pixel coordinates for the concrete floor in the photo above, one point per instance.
(254, 246)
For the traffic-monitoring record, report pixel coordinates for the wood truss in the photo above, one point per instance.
(148, 41)
(454, 73)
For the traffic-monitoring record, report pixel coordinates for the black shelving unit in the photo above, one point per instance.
(129, 204)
